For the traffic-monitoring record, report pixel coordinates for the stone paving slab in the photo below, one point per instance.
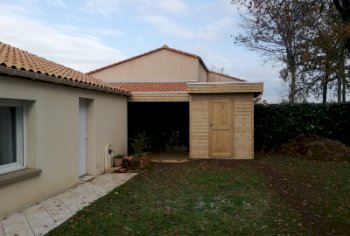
(2, 233)
(48, 214)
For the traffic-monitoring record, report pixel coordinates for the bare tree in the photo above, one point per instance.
(326, 56)
(307, 36)
(275, 28)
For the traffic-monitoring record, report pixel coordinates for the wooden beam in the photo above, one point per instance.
(237, 87)
(159, 97)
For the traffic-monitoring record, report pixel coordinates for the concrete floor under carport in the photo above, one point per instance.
(166, 125)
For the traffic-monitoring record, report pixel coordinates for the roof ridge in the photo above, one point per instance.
(226, 75)
(164, 47)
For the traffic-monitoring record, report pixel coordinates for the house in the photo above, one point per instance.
(171, 87)
(56, 124)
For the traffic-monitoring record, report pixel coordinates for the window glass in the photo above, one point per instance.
(11, 137)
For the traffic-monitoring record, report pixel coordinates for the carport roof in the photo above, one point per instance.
(180, 91)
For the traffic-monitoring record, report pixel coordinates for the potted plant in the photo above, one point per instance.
(140, 145)
(118, 160)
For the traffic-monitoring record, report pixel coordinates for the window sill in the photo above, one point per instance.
(19, 175)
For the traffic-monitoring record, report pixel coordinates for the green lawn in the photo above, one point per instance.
(224, 198)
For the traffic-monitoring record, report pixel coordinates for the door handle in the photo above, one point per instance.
(211, 124)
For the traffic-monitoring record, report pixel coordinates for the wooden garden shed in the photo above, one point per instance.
(221, 107)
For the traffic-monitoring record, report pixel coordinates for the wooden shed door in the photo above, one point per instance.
(220, 128)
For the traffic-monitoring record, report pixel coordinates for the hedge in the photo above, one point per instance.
(276, 123)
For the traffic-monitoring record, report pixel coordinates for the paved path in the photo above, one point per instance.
(48, 214)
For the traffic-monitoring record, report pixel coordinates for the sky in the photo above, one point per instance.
(88, 34)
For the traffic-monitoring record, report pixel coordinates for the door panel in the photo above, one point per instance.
(220, 128)
(82, 136)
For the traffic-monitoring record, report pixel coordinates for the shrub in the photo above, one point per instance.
(277, 123)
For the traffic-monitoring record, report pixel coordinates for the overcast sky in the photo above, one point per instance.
(88, 34)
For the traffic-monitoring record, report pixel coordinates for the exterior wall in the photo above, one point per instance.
(213, 77)
(242, 123)
(199, 126)
(52, 136)
(243, 126)
(203, 74)
(159, 66)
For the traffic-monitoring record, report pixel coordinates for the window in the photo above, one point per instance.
(11, 136)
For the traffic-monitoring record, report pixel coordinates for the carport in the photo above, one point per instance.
(165, 124)
(203, 119)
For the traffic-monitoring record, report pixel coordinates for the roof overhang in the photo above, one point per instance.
(51, 79)
(225, 87)
(197, 88)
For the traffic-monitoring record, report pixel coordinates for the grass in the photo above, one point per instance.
(218, 198)
(325, 186)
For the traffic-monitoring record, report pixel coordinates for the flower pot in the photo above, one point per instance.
(143, 160)
(117, 162)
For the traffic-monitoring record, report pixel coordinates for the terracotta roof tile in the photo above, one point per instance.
(165, 47)
(153, 86)
(14, 58)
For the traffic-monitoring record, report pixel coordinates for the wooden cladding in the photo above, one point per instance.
(159, 97)
(224, 88)
(244, 127)
(199, 126)
(222, 126)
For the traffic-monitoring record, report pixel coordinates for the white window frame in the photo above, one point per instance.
(20, 134)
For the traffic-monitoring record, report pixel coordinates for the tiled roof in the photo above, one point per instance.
(153, 87)
(165, 47)
(19, 60)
